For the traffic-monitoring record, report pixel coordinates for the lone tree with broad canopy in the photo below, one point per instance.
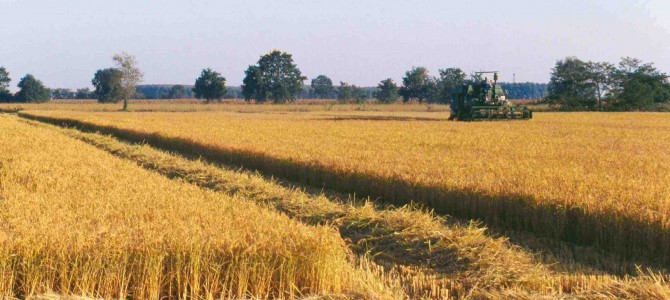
(131, 75)
(107, 83)
(275, 78)
(387, 91)
(322, 87)
(32, 90)
(210, 86)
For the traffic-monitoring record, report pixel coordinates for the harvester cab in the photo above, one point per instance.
(485, 100)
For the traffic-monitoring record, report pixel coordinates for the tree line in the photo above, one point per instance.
(596, 86)
(275, 78)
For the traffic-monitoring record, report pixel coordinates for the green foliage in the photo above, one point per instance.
(602, 78)
(417, 84)
(5, 95)
(61, 94)
(4, 79)
(322, 87)
(252, 87)
(449, 79)
(275, 78)
(84, 93)
(210, 86)
(571, 86)
(348, 92)
(178, 92)
(108, 85)
(32, 90)
(639, 86)
(580, 85)
(387, 91)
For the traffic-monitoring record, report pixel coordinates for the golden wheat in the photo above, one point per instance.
(593, 179)
(76, 220)
(430, 258)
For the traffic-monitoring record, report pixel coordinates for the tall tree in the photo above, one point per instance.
(252, 86)
(275, 78)
(322, 87)
(602, 78)
(5, 95)
(32, 90)
(571, 85)
(579, 85)
(132, 75)
(108, 85)
(638, 86)
(450, 78)
(4, 78)
(387, 91)
(416, 84)
(210, 86)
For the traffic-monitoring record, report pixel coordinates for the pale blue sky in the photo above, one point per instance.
(362, 42)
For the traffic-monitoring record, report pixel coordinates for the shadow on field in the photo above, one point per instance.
(628, 238)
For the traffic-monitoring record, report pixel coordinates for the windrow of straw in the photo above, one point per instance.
(75, 220)
(590, 179)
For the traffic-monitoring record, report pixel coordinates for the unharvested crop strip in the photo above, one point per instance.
(76, 220)
(616, 233)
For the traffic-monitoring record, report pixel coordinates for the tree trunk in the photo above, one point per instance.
(125, 104)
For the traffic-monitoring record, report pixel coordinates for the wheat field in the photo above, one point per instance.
(109, 224)
(78, 221)
(587, 178)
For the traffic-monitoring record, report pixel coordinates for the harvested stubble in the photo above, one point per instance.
(430, 257)
(75, 220)
(587, 178)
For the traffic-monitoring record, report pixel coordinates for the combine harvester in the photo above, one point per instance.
(486, 101)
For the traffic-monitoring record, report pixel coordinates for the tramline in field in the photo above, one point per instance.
(486, 101)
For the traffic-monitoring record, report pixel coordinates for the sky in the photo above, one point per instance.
(63, 42)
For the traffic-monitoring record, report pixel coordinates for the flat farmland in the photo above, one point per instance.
(587, 178)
